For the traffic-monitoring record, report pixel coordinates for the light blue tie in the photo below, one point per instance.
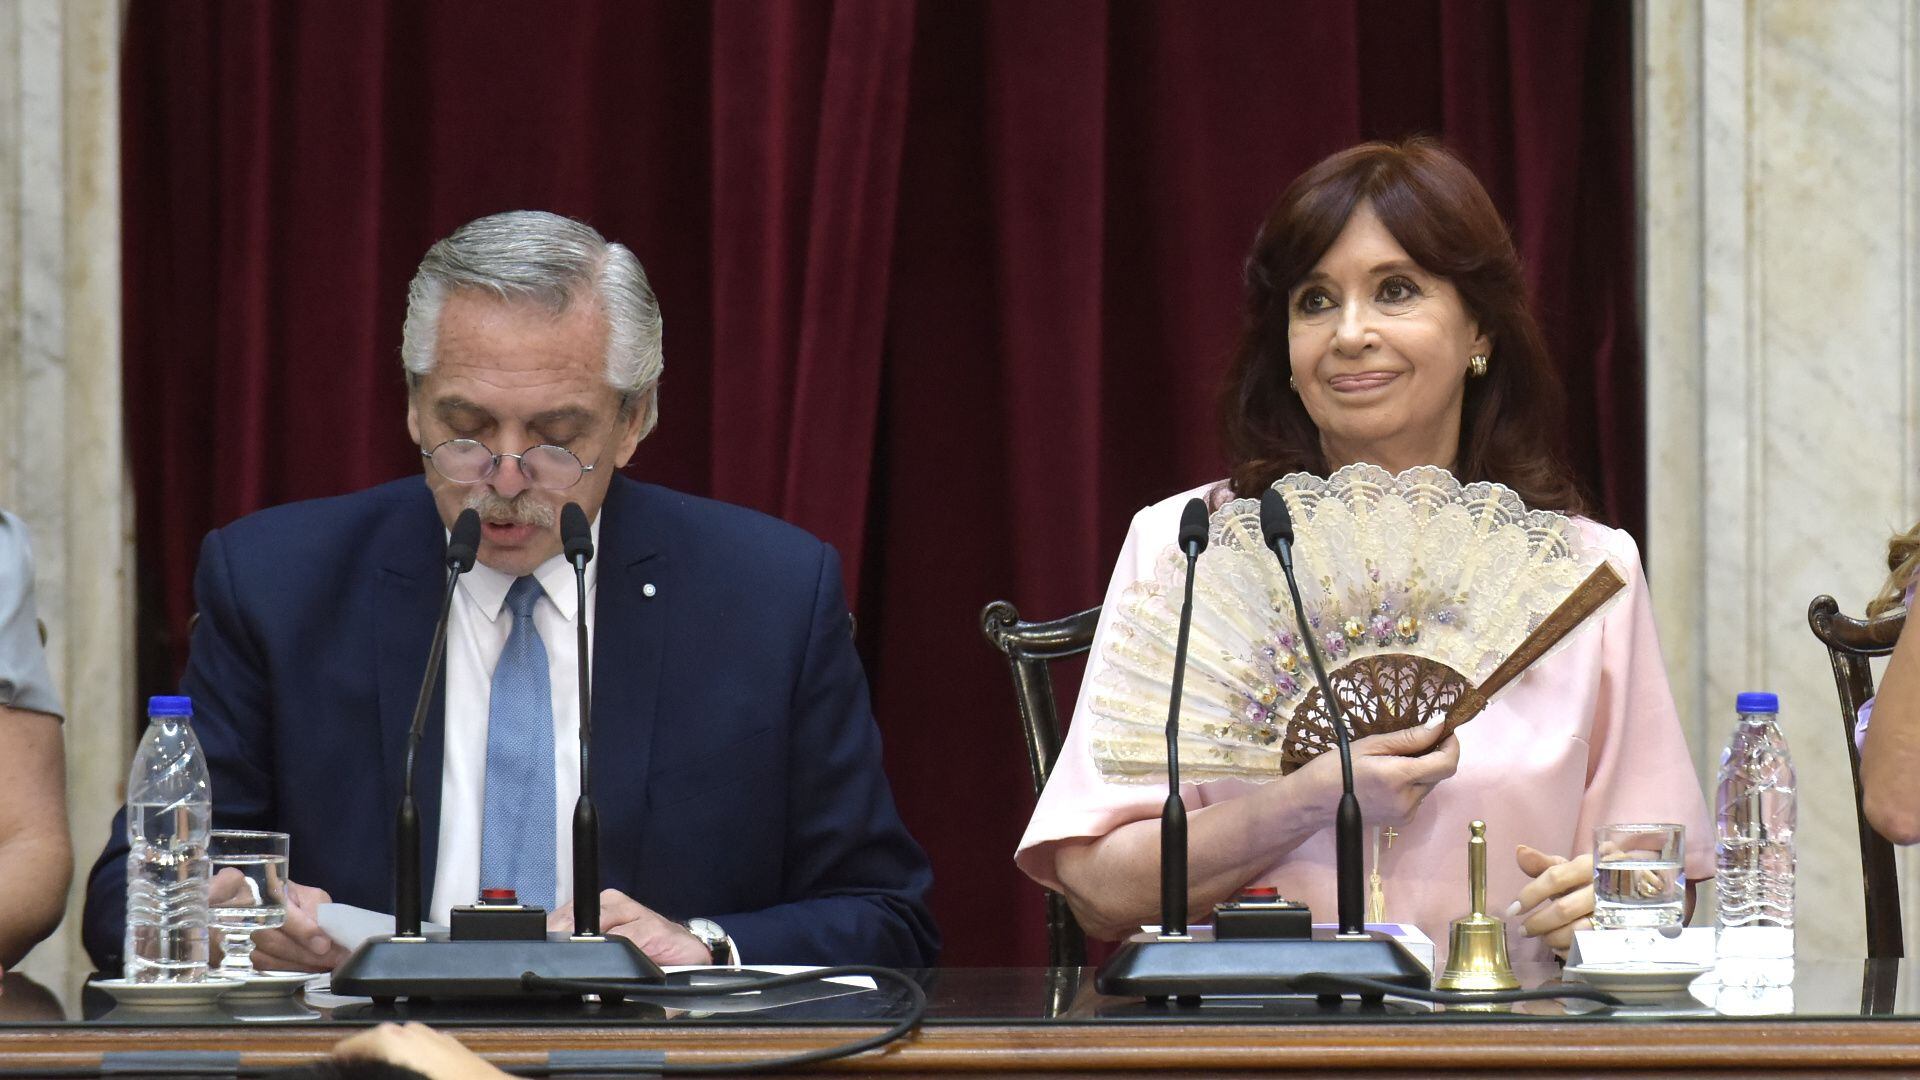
(516, 830)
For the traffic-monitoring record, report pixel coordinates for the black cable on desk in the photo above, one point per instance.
(1355, 984)
(916, 996)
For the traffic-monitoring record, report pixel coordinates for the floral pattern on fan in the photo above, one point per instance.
(1427, 597)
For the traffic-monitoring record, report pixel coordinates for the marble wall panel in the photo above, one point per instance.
(63, 468)
(1780, 303)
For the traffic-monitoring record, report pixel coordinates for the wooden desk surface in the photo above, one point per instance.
(1842, 1016)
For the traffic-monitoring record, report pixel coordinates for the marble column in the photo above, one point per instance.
(1782, 308)
(62, 455)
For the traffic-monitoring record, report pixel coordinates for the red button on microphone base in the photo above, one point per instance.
(1259, 911)
(498, 916)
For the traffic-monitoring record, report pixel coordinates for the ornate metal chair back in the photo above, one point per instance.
(1030, 647)
(1851, 643)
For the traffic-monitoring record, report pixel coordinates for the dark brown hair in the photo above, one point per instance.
(1438, 212)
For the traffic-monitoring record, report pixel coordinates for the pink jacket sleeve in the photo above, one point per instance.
(1077, 803)
(1640, 768)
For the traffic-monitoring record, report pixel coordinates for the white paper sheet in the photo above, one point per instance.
(349, 926)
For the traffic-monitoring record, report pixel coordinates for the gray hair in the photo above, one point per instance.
(531, 255)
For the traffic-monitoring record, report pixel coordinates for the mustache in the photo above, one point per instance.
(519, 510)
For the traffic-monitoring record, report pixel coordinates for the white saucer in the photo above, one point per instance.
(166, 995)
(1655, 979)
(270, 984)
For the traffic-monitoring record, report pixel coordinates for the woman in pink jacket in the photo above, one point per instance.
(1386, 322)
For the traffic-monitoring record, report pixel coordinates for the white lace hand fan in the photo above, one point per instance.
(1427, 598)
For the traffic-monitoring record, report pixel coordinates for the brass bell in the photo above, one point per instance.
(1477, 944)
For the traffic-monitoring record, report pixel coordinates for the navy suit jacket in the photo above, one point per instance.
(736, 764)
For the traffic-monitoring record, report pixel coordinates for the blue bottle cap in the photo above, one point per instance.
(1757, 701)
(163, 705)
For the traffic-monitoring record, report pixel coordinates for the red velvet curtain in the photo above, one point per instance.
(948, 283)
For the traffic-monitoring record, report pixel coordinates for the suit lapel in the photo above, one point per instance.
(410, 588)
(629, 632)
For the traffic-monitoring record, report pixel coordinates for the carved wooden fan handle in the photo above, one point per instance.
(1465, 708)
(1599, 587)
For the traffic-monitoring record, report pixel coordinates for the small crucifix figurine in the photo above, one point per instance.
(1376, 890)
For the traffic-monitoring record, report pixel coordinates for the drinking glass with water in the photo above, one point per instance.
(1638, 880)
(249, 891)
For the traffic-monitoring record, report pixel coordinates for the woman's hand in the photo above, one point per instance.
(1563, 891)
(1112, 882)
(1392, 772)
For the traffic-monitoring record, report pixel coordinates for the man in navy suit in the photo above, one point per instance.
(736, 764)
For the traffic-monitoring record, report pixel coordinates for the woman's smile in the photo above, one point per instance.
(1377, 346)
(1361, 381)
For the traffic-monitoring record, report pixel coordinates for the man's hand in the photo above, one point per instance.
(420, 1048)
(300, 945)
(663, 940)
(227, 887)
(1563, 890)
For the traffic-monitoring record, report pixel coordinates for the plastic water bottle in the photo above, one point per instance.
(1753, 849)
(169, 816)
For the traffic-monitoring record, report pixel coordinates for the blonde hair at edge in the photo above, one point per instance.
(1903, 559)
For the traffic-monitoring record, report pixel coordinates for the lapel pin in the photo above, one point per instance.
(648, 590)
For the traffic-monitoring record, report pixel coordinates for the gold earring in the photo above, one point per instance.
(1477, 365)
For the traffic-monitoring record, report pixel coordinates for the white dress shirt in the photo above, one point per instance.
(477, 633)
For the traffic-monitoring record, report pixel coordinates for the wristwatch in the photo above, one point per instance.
(719, 945)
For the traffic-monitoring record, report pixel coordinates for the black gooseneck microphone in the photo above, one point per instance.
(493, 949)
(1173, 816)
(1257, 945)
(576, 540)
(1276, 525)
(463, 546)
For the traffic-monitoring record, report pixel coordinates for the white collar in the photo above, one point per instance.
(487, 587)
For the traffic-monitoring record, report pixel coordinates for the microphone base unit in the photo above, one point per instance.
(1147, 966)
(437, 966)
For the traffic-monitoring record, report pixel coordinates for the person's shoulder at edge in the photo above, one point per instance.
(16, 546)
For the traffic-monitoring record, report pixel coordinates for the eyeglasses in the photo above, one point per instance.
(468, 461)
